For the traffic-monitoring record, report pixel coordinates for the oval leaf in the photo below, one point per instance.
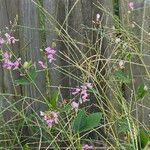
(80, 121)
(92, 121)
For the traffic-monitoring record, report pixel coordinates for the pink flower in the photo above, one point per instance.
(2, 41)
(8, 64)
(16, 63)
(77, 90)
(10, 39)
(49, 50)
(50, 57)
(50, 53)
(41, 63)
(89, 85)
(51, 118)
(85, 97)
(87, 147)
(84, 87)
(131, 5)
(6, 56)
(97, 17)
(82, 91)
(75, 105)
(135, 5)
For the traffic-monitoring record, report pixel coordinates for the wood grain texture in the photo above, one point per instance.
(30, 42)
(73, 15)
(138, 17)
(8, 13)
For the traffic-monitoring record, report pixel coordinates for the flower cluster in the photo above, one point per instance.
(8, 64)
(82, 92)
(41, 63)
(87, 147)
(51, 118)
(131, 5)
(8, 39)
(50, 54)
(75, 106)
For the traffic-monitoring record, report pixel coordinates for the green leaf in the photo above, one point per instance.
(54, 99)
(22, 81)
(144, 138)
(80, 121)
(141, 92)
(123, 125)
(28, 78)
(92, 121)
(65, 108)
(26, 147)
(127, 146)
(121, 76)
(83, 122)
(32, 74)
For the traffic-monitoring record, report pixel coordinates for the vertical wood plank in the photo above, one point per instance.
(54, 20)
(30, 42)
(51, 7)
(136, 21)
(8, 12)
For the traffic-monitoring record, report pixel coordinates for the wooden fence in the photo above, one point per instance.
(35, 29)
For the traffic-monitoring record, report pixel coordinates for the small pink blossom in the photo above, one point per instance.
(75, 105)
(87, 147)
(50, 54)
(50, 118)
(84, 87)
(77, 90)
(10, 39)
(85, 97)
(89, 85)
(41, 63)
(135, 5)
(6, 56)
(49, 50)
(82, 91)
(16, 64)
(8, 64)
(97, 17)
(131, 5)
(50, 57)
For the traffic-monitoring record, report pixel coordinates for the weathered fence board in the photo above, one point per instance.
(8, 10)
(30, 41)
(137, 22)
(63, 20)
(52, 24)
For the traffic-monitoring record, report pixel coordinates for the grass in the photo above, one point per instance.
(118, 72)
